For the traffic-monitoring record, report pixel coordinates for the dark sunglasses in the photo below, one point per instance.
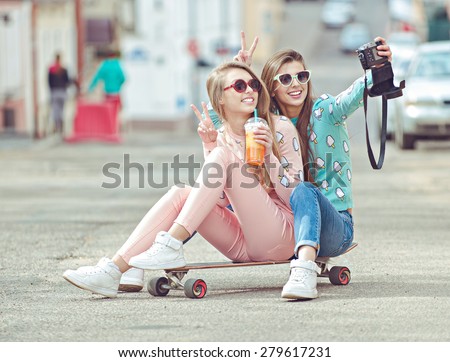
(287, 79)
(240, 85)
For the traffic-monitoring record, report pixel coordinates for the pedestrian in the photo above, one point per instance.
(322, 205)
(259, 228)
(110, 72)
(58, 81)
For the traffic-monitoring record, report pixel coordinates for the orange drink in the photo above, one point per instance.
(254, 152)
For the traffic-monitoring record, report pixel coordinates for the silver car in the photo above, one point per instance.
(354, 35)
(424, 110)
(401, 60)
(337, 13)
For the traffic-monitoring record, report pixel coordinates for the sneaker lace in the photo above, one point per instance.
(91, 270)
(97, 269)
(155, 249)
(299, 275)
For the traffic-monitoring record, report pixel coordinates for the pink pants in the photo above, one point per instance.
(260, 228)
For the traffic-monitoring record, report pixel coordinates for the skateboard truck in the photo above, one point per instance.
(193, 288)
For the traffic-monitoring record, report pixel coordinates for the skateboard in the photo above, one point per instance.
(196, 288)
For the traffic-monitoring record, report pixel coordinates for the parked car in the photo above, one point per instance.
(337, 13)
(407, 39)
(403, 46)
(399, 67)
(424, 110)
(354, 35)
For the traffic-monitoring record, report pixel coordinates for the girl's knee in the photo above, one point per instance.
(220, 162)
(301, 192)
(180, 191)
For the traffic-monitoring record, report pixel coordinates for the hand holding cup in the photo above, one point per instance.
(258, 141)
(263, 136)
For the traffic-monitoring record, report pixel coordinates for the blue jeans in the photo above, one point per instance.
(317, 223)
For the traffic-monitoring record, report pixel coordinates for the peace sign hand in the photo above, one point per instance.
(206, 129)
(245, 56)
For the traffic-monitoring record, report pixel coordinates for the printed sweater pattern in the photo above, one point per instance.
(331, 165)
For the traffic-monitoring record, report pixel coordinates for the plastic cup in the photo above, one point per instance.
(254, 152)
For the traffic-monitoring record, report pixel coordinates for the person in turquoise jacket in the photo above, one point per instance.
(109, 72)
(323, 203)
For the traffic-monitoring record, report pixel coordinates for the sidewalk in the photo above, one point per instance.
(14, 142)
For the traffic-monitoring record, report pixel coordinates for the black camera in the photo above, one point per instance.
(382, 74)
(368, 55)
(383, 85)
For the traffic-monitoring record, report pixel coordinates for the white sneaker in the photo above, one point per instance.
(165, 253)
(302, 283)
(132, 280)
(101, 279)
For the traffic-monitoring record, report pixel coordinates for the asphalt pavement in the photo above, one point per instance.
(55, 215)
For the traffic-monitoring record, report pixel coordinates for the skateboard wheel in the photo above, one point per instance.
(156, 287)
(339, 275)
(195, 288)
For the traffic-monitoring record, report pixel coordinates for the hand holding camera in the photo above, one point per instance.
(379, 63)
(374, 54)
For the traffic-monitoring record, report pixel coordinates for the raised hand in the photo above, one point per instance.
(246, 56)
(206, 129)
(384, 50)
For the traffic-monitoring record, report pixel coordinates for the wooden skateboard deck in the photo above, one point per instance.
(196, 288)
(224, 264)
(233, 264)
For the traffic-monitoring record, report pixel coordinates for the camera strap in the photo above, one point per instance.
(376, 165)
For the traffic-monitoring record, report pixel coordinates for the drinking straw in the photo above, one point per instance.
(255, 114)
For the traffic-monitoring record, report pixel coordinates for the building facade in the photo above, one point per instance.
(31, 33)
(168, 48)
(16, 97)
(174, 45)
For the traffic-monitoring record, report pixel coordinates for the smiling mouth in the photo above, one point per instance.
(295, 93)
(248, 100)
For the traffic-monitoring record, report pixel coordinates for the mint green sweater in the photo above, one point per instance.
(330, 144)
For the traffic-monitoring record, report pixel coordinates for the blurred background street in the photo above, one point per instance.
(56, 215)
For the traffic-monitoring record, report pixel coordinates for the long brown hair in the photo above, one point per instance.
(215, 85)
(270, 70)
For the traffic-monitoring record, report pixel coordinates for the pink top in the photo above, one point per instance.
(285, 173)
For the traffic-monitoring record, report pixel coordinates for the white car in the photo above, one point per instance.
(354, 35)
(401, 59)
(407, 39)
(424, 110)
(337, 13)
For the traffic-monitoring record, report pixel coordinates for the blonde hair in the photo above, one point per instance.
(215, 85)
(270, 70)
